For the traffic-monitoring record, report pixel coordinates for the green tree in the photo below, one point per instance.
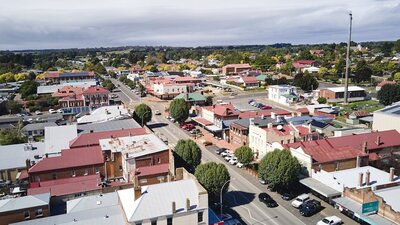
(108, 84)
(51, 101)
(244, 154)
(99, 69)
(29, 87)
(362, 72)
(280, 169)
(13, 106)
(389, 93)
(189, 152)
(396, 46)
(209, 100)
(396, 76)
(142, 114)
(179, 110)
(213, 176)
(306, 82)
(154, 69)
(321, 100)
(11, 136)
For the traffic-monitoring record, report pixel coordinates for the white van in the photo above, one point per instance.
(330, 220)
(300, 200)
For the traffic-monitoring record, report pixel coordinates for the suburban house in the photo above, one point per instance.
(67, 77)
(385, 119)
(235, 68)
(336, 94)
(96, 96)
(299, 65)
(282, 94)
(26, 208)
(317, 52)
(192, 98)
(105, 113)
(36, 129)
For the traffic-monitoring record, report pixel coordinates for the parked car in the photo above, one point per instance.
(60, 111)
(250, 101)
(239, 165)
(330, 220)
(263, 182)
(233, 161)
(310, 207)
(300, 200)
(220, 150)
(51, 111)
(37, 112)
(157, 113)
(206, 143)
(228, 157)
(267, 200)
(266, 107)
(226, 153)
(195, 131)
(287, 196)
(253, 103)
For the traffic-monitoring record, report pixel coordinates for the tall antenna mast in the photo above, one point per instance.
(346, 80)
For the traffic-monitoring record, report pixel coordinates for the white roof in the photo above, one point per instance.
(92, 202)
(341, 89)
(282, 86)
(58, 138)
(393, 109)
(391, 197)
(105, 113)
(154, 201)
(135, 146)
(24, 202)
(48, 89)
(15, 156)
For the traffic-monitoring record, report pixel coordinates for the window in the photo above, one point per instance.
(158, 160)
(169, 221)
(26, 214)
(39, 212)
(73, 173)
(96, 170)
(85, 173)
(54, 176)
(120, 168)
(200, 217)
(154, 222)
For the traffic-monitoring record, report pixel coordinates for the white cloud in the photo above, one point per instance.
(93, 23)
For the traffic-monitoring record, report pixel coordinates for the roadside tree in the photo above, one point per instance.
(189, 152)
(244, 154)
(179, 110)
(389, 93)
(142, 114)
(213, 176)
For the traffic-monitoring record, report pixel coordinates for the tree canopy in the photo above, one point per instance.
(189, 152)
(389, 93)
(11, 136)
(244, 154)
(362, 72)
(279, 168)
(142, 113)
(108, 84)
(179, 110)
(29, 87)
(306, 82)
(213, 176)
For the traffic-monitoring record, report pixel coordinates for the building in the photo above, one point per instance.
(26, 208)
(248, 82)
(235, 68)
(283, 94)
(317, 52)
(381, 84)
(66, 91)
(299, 65)
(50, 89)
(336, 94)
(96, 97)
(107, 126)
(387, 118)
(58, 137)
(192, 98)
(185, 204)
(273, 113)
(105, 113)
(137, 155)
(67, 77)
(36, 129)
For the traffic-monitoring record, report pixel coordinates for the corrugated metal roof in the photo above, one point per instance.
(30, 201)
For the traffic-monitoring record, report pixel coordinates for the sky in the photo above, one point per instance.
(49, 24)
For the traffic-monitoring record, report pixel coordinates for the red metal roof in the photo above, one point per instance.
(67, 186)
(152, 170)
(203, 121)
(70, 158)
(95, 90)
(246, 65)
(285, 131)
(222, 110)
(386, 82)
(249, 80)
(266, 113)
(302, 110)
(91, 139)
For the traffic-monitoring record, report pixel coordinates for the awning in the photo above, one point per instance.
(202, 121)
(213, 128)
(348, 204)
(320, 187)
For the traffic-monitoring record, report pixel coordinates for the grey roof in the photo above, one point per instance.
(58, 138)
(92, 202)
(98, 216)
(261, 122)
(15, 156)
(6, 126)
(319, 187)
(391, 197)
(48, 89)
(154, 201)
(108, 126)
(304, 119)
(10, 119)
(30, 201)
(38, 126)
(393, 109)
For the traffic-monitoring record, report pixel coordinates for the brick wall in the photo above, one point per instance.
(153, 159)
(18, 215)
(66, 173)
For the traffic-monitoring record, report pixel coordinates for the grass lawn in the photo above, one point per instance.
(369, 105)
(259, 89)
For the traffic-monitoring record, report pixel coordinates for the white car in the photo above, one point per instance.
(37, 112)
(60, 111)
(157, 113)
(330, 220)
(51, 111)
(228, 158)
(239, 165)
(300, 200)
(233, 161)
(226, 153)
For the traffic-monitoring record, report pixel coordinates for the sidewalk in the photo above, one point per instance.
(219, 143)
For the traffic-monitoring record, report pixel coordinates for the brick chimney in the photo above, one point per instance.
(391, 174)
(269, 125)
(137, 188)
(187, 204)
(367, 177)
(364, 147)
(173, 207)
(378, 140)
(360, 179)
(28, 164)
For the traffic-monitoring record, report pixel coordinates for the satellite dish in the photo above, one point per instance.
(279, 127)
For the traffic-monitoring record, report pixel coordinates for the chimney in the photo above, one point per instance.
(28, 164)
(364, 147)
(309, 128)
(360, 179)
(391, 174)
(227, 111)
(91, 131)
(378, 140)
(137, 188)
(358, 161)
(187, 204)
(273, 115)
(173, 207)
(269, 125)
(47, 155)
(367, 177)
(293, 114)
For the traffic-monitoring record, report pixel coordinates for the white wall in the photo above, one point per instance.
(304, 159)
(383, 121)
(208, 115)
(171, 89)
(257, 140)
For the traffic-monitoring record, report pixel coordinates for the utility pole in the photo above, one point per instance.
(346, 79)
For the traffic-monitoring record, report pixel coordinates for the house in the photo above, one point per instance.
(317, 52)
(381, 84)
(248, 82)
(167, 88)
(282, 94)
(185, 204)
(26, 208)
(311, 70)
(235, 68)
(107, 126)
(262, 79)
(336, 94)
(300, 120)
(273, 113)
(66, 77)
(138, 155)
(387, 118)
(105, 113)
(299, 65)
(192, 98)
(66, 91)
(96, 96)
(36, 129)
(325, 129)
(51, 89)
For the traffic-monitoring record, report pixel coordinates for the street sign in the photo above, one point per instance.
(370, 207)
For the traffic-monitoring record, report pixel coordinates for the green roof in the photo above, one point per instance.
(261, 77)
(192, 97)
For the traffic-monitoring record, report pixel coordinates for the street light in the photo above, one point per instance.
(220, 194)
(144, 115)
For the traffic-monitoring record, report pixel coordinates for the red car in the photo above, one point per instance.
(266, 107)
(187, 126)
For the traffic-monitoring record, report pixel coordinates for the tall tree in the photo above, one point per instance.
(362, 72)
(189, 152)
(179, 110)
(389, 93)
(209, 100)
(213, 176)
(142, 114)
(29, 87)
(11, 136)
(244, 154)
